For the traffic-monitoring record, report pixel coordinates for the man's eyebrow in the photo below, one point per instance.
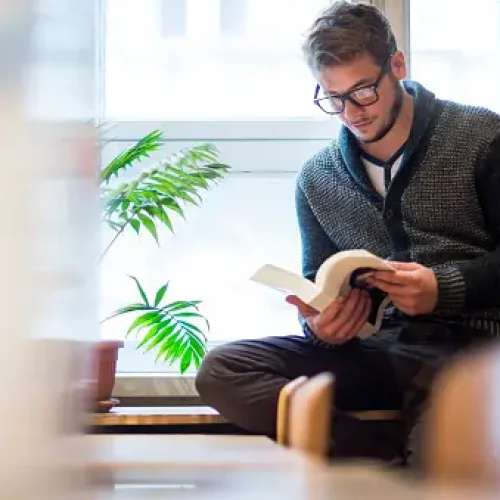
(359, 83)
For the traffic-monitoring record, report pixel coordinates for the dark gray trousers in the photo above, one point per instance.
(391, 370)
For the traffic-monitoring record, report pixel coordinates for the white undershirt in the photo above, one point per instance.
(375, 172)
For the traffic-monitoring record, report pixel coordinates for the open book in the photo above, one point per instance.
(335, 277)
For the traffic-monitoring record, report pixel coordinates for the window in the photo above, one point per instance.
(455, 49)
(207, 59)
(231, 73)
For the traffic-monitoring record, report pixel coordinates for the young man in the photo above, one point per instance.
(413, 179)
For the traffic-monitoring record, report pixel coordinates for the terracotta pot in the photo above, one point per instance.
(106, 357)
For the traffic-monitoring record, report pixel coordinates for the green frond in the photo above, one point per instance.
(173, 330)
(158, 192)
(138, 152)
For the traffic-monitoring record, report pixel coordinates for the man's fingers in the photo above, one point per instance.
(331, 312)
(353, 317)
(341, 322)
(295, 301)
(304, 309)
(404, 294)
(405, 266)
(393, 277)
(389, 288)
(403, 303)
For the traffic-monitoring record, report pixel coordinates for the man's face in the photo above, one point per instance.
(369, 122)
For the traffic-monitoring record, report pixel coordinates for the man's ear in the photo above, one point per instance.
(398, 65)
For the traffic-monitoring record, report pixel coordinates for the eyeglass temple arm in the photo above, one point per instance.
(316, 92)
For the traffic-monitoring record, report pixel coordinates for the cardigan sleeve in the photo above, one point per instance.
(476, 284)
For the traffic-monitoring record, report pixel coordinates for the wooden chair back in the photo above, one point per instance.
(310, 415)
(317, 391)
(283, 416)
(462, 435)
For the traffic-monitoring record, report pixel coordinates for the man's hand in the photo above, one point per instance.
(412, 288)
(341, 320)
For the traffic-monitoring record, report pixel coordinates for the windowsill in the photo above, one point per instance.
(153, 385)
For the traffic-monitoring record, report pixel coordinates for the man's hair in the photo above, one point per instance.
(345, 31)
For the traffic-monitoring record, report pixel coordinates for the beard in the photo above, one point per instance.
(393, 116)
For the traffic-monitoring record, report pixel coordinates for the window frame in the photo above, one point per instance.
(320, 129)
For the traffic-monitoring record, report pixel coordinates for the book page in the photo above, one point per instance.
(285, 281)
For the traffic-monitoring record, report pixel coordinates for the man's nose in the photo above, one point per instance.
(351, 111)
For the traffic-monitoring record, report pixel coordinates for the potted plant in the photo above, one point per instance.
(176, 330)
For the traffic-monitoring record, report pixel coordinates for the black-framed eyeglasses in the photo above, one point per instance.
(362, 96)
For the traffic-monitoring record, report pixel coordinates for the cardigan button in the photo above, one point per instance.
(389, 214)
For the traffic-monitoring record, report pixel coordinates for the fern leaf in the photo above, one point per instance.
(139, 151)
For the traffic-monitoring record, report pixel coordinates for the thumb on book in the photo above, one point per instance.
(304, 309)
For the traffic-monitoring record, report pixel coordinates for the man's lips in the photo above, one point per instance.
(361, 125)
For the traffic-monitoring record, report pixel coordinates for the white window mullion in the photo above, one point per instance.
(228, 130)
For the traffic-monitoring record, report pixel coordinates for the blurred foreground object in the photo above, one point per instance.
(463, 434)
(49, 210)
